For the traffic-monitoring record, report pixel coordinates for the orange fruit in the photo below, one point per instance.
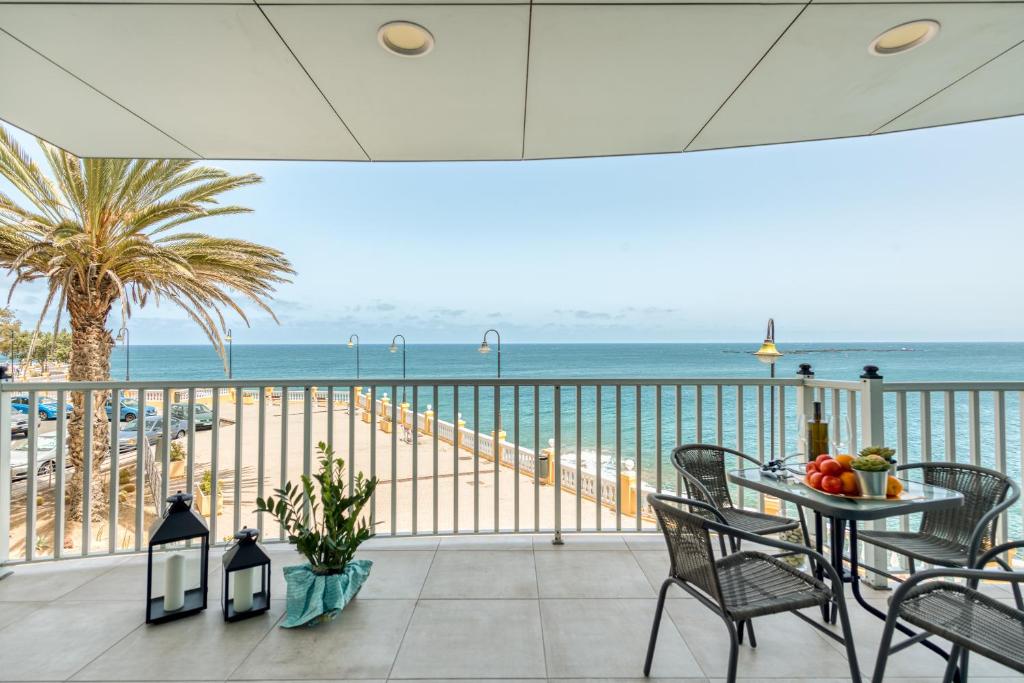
(893, 487)
(844, 459)
(851, 487)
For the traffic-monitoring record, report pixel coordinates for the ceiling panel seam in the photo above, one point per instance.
(310, 77)
(947, 87)
(744, 79)
(102, 94)
(526, 85)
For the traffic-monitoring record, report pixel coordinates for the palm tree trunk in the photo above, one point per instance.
(91, 344)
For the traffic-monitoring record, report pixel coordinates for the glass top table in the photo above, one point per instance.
(917, 497)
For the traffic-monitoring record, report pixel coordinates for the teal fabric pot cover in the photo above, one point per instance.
(313, 598)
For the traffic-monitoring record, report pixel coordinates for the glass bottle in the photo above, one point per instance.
(817, 434)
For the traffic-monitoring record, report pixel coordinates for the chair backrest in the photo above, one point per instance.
(690, 552)
(982, 488)
(704, 464)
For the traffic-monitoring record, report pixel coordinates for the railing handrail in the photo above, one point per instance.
(19, 387)
(958, 385)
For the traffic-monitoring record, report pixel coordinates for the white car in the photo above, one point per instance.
(46, 457)
(19, 423)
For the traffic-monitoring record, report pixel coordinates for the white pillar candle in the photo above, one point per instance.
(174, 582)
(241, 590)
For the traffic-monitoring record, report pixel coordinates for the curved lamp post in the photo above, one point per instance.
(122, 336)
(485, 347)
(353, 343)
(394, 349)
(769, 354)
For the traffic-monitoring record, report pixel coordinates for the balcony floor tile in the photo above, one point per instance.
(473, 639)
(608, 638)
(360, 643)
(591, 574)
(481, 574)
(213, 648)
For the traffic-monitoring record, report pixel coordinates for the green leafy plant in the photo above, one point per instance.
(325, 528)
(872, 462)
(881, 451)
(177, 452)
(206, 480)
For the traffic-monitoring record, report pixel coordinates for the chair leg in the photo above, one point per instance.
(963, 665)
(739, 632)
(654, 627)
(951, 669)
(883, 648)
(851, 650)
(734, 652)
(750, 632)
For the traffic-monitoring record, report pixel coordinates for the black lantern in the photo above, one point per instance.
(246, 589)
(184, 593)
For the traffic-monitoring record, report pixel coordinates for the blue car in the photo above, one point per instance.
(130, 409)
(46, 407)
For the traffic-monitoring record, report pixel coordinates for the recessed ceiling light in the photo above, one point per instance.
(405, 39)
(904, 37)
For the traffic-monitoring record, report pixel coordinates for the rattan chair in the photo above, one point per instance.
(702, 467)
(953, 537)
(968, 618)
(741, 586)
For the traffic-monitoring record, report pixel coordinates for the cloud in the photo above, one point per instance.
(448, 312)
(383, 306)
(650, 310)
(496, 314)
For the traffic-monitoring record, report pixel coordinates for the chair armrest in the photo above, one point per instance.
(973, 576)
(664, 497)
(986, 519)
(795, 548)
(992, 553)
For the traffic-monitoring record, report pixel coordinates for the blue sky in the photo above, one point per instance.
(911, 236)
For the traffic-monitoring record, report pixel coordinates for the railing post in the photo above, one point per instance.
(804, 406)
(872, 432)
(5, 482)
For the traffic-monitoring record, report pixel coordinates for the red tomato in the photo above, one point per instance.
(831, 484)
(815, 480)
(822, 458)
(811, 467)
(830, 468)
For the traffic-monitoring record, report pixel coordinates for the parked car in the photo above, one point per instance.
(130, 409)
(46, 407)
(46, 457)
(203, 415)
(19, 423)
(153, 428)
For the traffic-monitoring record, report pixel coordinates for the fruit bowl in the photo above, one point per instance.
(901, 496)
(835, 476)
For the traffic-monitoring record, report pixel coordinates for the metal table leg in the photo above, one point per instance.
(855, 589)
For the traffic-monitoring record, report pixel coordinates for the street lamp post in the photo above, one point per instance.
(353, 342)
(122, 336)
(769, 354)
(394, 349)
(485, 348)
(13, 374)
(231, 358)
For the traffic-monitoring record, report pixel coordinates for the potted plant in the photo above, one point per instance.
(324, 524)
(177, 469)
(203, 498)
(872, 466)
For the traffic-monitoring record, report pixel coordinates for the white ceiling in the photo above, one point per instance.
(306, 79)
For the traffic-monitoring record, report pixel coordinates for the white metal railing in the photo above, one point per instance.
(569, 454)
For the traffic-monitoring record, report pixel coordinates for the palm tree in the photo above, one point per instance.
(103, 232)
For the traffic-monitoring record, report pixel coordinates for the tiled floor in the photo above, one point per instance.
(468, 608)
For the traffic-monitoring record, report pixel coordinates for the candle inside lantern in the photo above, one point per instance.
(174, 582)
(241, 591)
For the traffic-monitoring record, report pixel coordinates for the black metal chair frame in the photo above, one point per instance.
(696, 489)
(956, 666)
(736, 626)
(984, 530)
